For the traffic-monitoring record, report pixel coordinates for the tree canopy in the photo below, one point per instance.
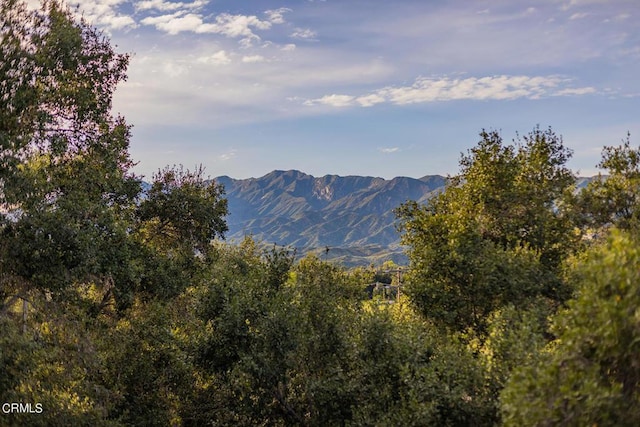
(590, 373)
(496, 235)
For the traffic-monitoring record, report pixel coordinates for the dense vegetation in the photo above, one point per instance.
(118, 308)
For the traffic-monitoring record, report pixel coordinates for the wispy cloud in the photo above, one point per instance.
(174, 23)
(175, 69)
(104, 13)
(276, 16)
(370, 100)
(575, 91)
(253, 58)
(389, 150)
(304, 34)
(232, 67)
(425, 90)
(332, 100)
(219, 58)
(578, 15)
(233, 26)
(228, 155)
(166, 6)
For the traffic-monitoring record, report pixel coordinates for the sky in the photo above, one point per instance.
(368, 87)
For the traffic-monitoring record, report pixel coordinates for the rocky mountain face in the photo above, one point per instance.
(351, 215)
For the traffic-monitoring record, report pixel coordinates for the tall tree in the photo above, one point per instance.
(66, 188)
(72, 210)
(182, 208)
(496, 235)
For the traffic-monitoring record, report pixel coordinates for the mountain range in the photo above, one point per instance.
(351, 216)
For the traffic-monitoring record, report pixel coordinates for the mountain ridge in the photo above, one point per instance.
(351, 214)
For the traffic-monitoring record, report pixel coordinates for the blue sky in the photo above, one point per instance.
(381, 88)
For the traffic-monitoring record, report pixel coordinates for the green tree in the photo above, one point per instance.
(497, 234)
(244, 352)
(93, 260)
(590, 375)
(515, 337)
(182, 209)
(408, 373)
(147, 366)
(613, 199)
(66, 190)
(176, 222)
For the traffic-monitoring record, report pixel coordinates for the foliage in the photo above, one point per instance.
(590, 374)
(515, 337)
(66, 189)
(148, 367)
(182, 209)
(119, 307)
(71, 221)
(496, 235)
(613, 199)
(53, 361)
(408, 373)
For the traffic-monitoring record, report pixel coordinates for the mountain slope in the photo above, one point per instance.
(352, 215)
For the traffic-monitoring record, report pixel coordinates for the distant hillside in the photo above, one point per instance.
(352, 215)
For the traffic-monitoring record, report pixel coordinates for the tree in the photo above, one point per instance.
(408, 373)
(497, 234)
(614, 199)
(182, 209)
(66, 189)
(147, 366)
(73, 236)
(590, 375)
(277, 348)
(72, 210)
(176, 223)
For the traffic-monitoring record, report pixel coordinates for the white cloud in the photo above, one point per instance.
(447, 89)
(234, 26)
(370, 100)
(103, 13)
(304, 34)
(173, 69)
(228, 155)
(253, 58)
(389, 150)
(622, 16)
(426, 90)
(219, 58)
(575, 91)
(166, 6)
(584, 3)
(118, 22)
(290, 47)
(220, 89)
(33, 4)
(277, 16)
(332, 100)
(174, 23)
(578, 15)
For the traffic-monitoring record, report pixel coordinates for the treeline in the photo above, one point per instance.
(124, 308)
(538, 280)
